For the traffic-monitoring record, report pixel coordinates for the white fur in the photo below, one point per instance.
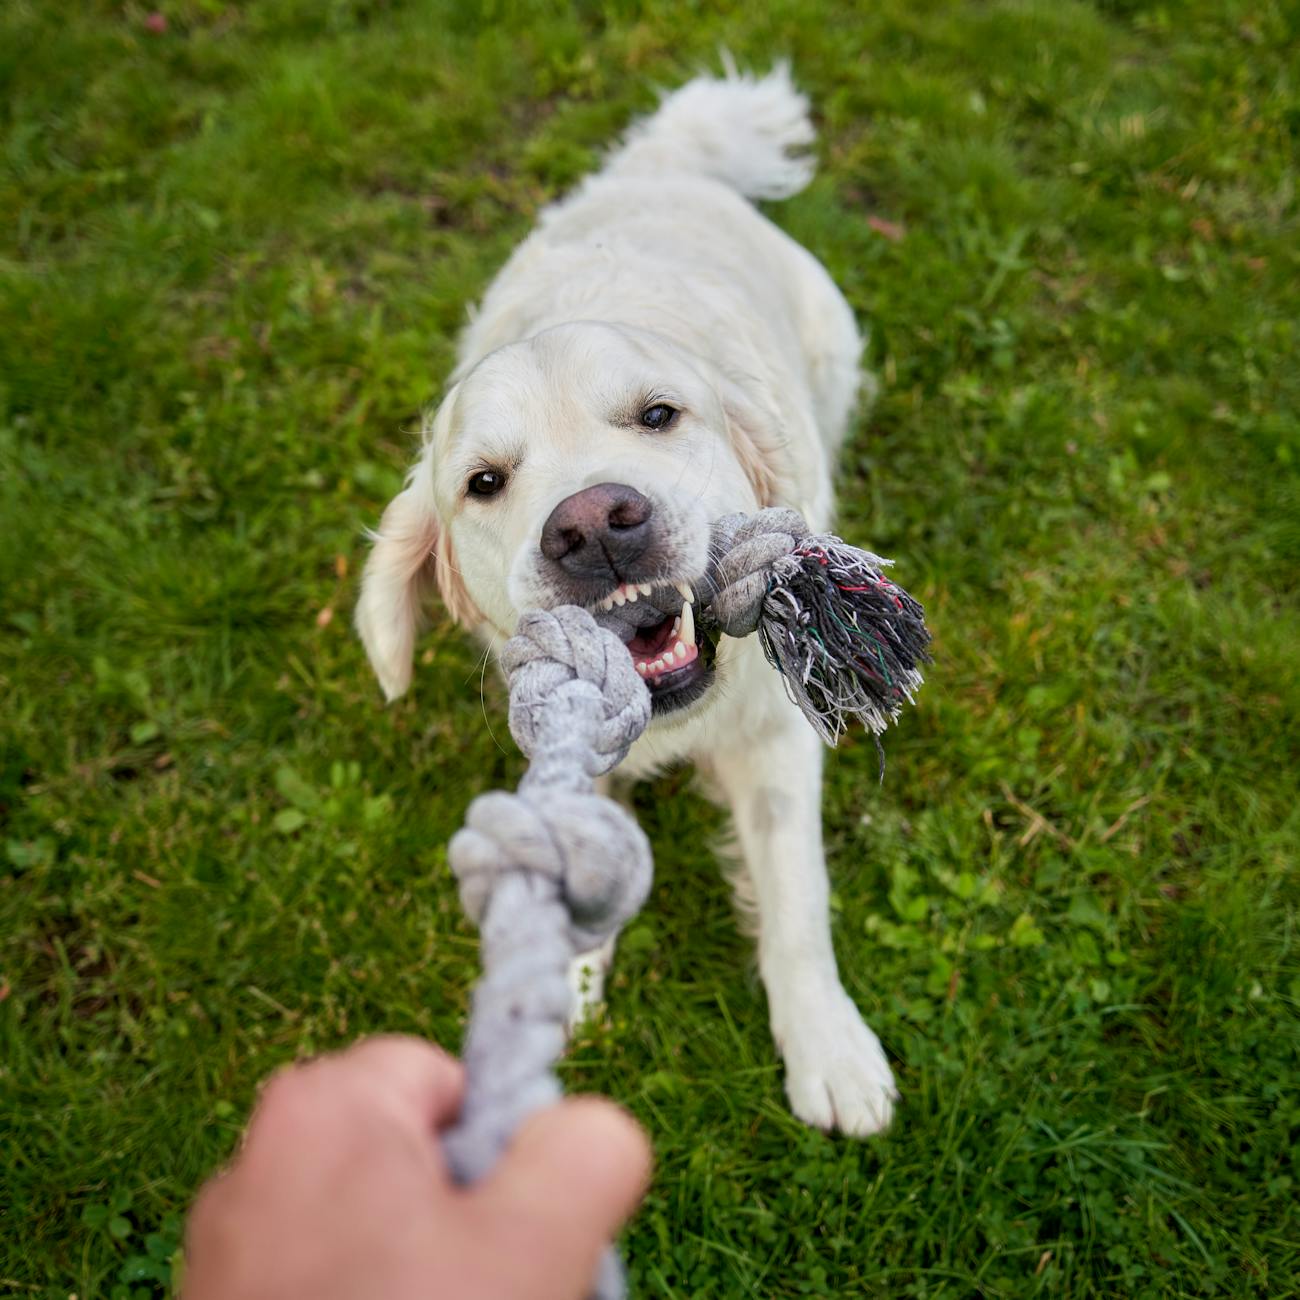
(658, 275)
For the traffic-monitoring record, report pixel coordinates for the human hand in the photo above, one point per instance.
(340, 1191)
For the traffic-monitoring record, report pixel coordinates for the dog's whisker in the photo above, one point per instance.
(493, 640)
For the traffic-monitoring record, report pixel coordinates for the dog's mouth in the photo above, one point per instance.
(656, 621)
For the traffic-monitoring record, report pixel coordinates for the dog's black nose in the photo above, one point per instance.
(599, 532)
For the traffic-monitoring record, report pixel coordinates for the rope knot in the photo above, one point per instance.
(749, 545)
(563, 652)
(591, 847)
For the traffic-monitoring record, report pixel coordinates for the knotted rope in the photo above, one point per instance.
(555, 869)
(548, 872)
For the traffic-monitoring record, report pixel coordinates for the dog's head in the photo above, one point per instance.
(582, 466)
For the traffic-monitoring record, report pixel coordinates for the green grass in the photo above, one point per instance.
(234, 259)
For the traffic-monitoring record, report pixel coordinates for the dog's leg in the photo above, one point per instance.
(836, 1072)
(587, 973)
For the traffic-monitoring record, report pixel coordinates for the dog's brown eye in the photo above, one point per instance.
(486, 483)
(658, 416)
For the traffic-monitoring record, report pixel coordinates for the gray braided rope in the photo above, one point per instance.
(548, 872)
(555, 869)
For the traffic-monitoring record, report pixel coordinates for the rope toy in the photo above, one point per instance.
(555, 869)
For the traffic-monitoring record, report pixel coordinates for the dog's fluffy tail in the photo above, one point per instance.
(738, 129)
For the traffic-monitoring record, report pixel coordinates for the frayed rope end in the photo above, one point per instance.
(847, 642)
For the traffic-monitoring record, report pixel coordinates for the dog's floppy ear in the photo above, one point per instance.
(754, 428)
(412, 554)
(757, 466)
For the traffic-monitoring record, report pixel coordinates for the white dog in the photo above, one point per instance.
(655, 355)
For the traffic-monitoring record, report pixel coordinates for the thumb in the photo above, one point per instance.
(570, 1178)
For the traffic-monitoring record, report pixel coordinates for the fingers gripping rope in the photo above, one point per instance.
(547, 873)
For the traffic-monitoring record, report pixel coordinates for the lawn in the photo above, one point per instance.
(235, 255)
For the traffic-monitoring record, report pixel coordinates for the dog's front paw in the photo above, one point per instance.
(836, 1074)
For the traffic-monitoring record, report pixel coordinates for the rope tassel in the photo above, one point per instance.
(847, 641)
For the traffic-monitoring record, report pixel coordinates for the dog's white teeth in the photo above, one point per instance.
(685, 589)
(642, 669)
(618, 598)
(686, 624)
(645, 589)
(631, 593)
(607, 603)
(657, 667)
